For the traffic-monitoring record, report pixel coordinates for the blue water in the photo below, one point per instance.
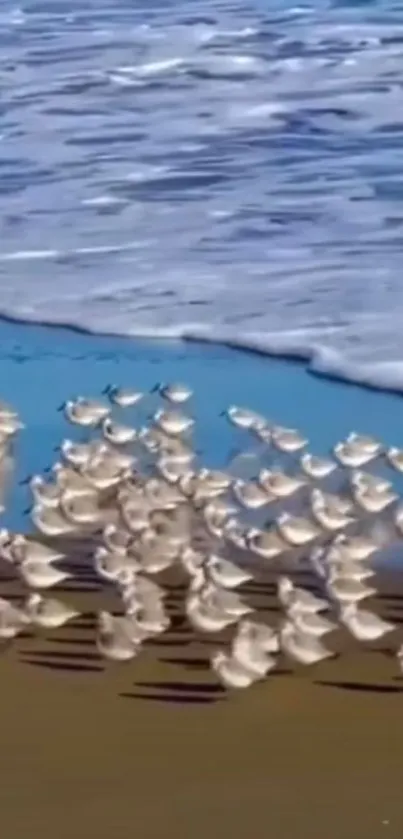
(228, 169)
(40, 367)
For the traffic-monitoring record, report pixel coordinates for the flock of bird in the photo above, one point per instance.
(138, 496)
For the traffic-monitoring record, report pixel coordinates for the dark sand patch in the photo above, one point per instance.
(157, 749)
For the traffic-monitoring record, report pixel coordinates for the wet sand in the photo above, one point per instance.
(157, 749)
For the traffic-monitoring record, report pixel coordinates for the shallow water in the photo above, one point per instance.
(41, 367)
(227, 168)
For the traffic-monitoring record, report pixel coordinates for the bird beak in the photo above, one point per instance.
(25, 481)
(106, 390)
(155, 388)
(60, 408)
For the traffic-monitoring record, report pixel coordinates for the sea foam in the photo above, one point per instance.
(217, 171)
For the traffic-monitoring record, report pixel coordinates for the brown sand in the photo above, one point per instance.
(156, 749)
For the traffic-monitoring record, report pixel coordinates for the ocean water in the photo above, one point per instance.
(40, 367)
(228, 170)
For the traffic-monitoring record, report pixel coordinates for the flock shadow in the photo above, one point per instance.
(177, 692)
(360, 687)
(68, 666)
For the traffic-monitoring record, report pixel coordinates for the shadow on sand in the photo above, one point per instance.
(191, 693)
(360, 687)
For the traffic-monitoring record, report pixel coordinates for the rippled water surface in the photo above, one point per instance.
(200, 167)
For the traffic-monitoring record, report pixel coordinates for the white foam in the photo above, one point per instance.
(209, 170)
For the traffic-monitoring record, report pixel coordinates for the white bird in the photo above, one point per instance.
(250, 654)
(50, 522)
(123, 397)
(48, 612)
(215, 478)
(287, 439)
(365, 443)
(331, 511)
(105, 474)
(109, 565)
(81, 511)
(278, 484)
(235, 533)
(303, 648)
(315, 467)
(346, 590)
(294, 597)
(244, 418)
(296, 530)
(135, 518)
(399, 518)
(190, 560)
(172, 469)
(358, 548)
(230, 672)
(373, 501)
(12, 620)
(79, 454)
(9, 425)
(259, 633)
(265, 543)
(263, 433)
(118, 434)
(161, 495)
(41, 575)
(175, 393)
(363, 624)
(316, 559)
(342, 568)
(44, 493)
(85, 412)
(399, 656)
(172, 422)
(22, 548)
(395, 458)
(216, 515)
(351, 455)
(224, 573)
(114, 639)
(204, 618)
(370, 482)
(224, 600)
(310, 623)
(250, 495)
(153, 552)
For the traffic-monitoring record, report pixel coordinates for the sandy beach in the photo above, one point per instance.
(158, 748)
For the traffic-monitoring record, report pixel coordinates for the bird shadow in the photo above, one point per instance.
(83, 625)
(80, 642)
(171, 698)
(397, 598)
(394, 618)
(188, 662)
(168, 642)
(62, 666)
(62, 655)
(359, 687)
(204, 688)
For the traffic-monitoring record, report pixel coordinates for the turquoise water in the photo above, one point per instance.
(40, 367)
